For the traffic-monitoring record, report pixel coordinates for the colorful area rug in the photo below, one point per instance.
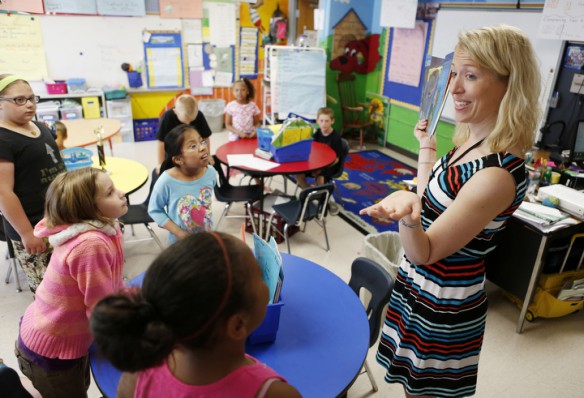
(368, 177)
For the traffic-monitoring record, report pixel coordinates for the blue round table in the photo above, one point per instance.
(322, 340)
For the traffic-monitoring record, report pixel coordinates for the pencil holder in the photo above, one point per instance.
(134, 79)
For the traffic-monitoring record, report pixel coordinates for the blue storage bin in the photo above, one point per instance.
(297, 152)
(145, 129)
(267, 331)
(134, 79)
(264, 138)
(76, 158)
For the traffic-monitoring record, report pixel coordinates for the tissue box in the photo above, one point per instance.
(266, 332)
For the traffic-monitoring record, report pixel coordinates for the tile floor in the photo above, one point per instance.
(545, 361)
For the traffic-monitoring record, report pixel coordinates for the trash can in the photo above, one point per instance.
(385, 248)
(213, 110)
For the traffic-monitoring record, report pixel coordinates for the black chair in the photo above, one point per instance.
(339, 171)
(229, 194)
(312, 204)
(9, 256)
(138, 214)
(368, 275)
(10, 383)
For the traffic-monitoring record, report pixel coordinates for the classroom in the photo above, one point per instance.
(115, 72)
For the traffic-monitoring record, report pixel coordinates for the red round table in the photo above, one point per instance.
(321, 156)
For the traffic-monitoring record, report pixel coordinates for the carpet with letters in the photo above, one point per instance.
(368, 177)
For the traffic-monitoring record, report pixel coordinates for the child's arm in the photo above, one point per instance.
(127, 385)
(281, 389)
(229, 126)
(12, 210)
(157, 209)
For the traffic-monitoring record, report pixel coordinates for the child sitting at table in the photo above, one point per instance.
(185, 111)
(61, 134)
(327, 135)
(87, 263)
(181, 198)
(183, 333)
(242, 114)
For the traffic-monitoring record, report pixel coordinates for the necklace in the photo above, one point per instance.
(473, 146)
(21, 130)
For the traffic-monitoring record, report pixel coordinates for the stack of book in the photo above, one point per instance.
(270, 260)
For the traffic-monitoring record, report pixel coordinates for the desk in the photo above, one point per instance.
(322, 340)
(80, 132)
(517, 262)
(127, 175)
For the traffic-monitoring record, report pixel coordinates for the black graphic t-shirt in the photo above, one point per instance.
(37, 162)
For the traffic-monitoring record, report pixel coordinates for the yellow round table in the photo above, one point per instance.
(127, 175)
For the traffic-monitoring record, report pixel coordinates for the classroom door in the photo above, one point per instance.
(305, 12)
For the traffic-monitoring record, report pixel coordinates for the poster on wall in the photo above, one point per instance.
(21, 37)
(563, 20)
(398, 13)
(407, 54)
(164, 59)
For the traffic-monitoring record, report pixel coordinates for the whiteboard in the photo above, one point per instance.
(450, 22)
(94, 47)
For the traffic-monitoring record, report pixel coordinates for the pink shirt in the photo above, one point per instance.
(241, 117)
(86, 265)
(244, 382)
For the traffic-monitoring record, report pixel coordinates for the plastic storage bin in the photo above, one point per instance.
(134, 79)
(213, 111)
(145, 129)
(91, 109)
(59, 87)
(71, 112)
(76, 85)
(48, 111)
(112, 94)
(385, 248)
(264, 138)
(76, 158)
(297, 152)
(267, 331)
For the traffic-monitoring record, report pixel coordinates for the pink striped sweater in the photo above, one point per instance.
(86, 265)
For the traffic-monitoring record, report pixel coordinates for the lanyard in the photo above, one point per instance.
(475, 145)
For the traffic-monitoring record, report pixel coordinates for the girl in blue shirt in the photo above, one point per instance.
(181, 198)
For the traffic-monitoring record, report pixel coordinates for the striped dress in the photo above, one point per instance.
(435, 321)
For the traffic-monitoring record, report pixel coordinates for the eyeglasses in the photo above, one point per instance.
(20, 101)
(196, 146)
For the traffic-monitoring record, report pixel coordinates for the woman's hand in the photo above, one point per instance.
(396, 206)
(32, 244)
(422, 136)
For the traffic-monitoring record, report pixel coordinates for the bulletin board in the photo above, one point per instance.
(450, 22)
(163, 57)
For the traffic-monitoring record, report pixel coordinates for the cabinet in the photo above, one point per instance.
(78, 97)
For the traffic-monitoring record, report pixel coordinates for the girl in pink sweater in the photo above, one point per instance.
(81, 209)
(183, 334)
